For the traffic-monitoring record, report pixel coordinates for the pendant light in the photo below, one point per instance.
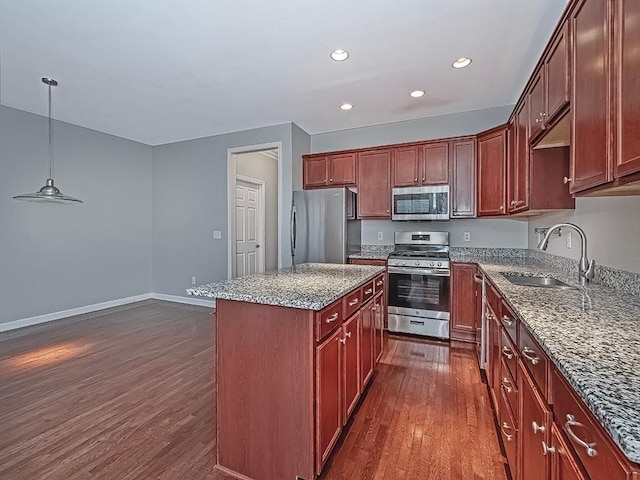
(48, 193)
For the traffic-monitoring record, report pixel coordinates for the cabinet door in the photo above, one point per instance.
(534, 430)
(564, 465)
(557, 75)
(351, 372)
(520, 172)
(591, 159)
(314, 172)
(378, 327)
(511, 164)
(492, 178)
(435, 163)
(463, 178)
(536, 104)
(328, 396)
(342, 169)
(366, 343)
(493, 377)
(374, 184)
(463, 302)
(406, 166)
(628, 77)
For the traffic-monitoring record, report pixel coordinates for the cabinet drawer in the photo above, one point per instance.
(597, 455)
(379, 283)
(493, 298)
(328, 319)
(509, 388)
(353, 302)
(510, 323)
(368, 291)
(535, 360)
(509, 354)
(508, 433)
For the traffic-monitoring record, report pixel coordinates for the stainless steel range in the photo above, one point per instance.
(419, 282)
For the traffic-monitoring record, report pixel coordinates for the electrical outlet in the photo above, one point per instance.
(380, 235)
(217, 234)
(193, 280)
(467, 236)
(568, 239)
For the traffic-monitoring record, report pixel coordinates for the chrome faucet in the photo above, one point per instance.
(586, 268)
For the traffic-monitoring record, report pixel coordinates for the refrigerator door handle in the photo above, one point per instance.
(294, 227)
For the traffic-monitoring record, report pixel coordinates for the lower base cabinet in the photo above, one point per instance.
(351, 384)
(563, 465)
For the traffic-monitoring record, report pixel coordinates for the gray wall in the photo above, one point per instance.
(484, 232)
(612, 225)
(58, 257)
(467, 123)
(190, 202)
(260, 167)
(300, 145)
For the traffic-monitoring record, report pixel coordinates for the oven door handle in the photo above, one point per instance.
(420, 271)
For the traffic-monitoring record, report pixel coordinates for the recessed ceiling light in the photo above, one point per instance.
(461, 62)
(339, 55)
(346, 106)
(417, 93)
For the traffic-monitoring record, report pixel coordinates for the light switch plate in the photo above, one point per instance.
(467, 236)
(217, 234)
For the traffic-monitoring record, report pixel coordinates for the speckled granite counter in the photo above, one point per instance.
(312, 286)
(591, 335)
(374, 252)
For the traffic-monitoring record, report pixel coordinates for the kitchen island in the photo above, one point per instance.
(295, 349)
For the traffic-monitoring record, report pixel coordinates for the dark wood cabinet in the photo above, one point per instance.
(519, 163)
(536, 104)
(536, 426)
(463, 302)
(463, 178)
(591, 156)
(366, 342)
(326, 171)
(374, 184)
(557, 76)
(492, 172)
(329, 396)
(378, 327)
(627, 87)
(351, 385)
(406, 166)
(423, 164)
(563, 463)
(342, 169)
(435, 163)
(314, 171)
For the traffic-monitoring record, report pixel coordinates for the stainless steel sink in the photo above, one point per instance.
(542, 282)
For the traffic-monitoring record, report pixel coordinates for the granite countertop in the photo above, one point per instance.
(312, 286)
(592, 335)
(370, 255)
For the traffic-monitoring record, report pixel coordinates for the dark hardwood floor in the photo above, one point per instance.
(128, 393)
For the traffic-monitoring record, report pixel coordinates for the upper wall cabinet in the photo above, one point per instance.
(518, 163)
(492, 172)
(591, 152)
(628, 87)
(463, 178)
(326, 171)
(425, 164)
(374, 184)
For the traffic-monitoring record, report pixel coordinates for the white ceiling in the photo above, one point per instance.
(160, 71)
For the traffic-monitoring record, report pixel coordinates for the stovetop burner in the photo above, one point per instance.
(421, 250)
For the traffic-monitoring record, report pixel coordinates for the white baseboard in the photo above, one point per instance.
(187, 300)
(49, 317)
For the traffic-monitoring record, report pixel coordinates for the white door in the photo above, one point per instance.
(249, 227)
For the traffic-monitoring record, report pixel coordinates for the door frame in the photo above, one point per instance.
(232, 154)
(262, 221)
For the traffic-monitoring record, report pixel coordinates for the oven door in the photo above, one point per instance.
(419, 292)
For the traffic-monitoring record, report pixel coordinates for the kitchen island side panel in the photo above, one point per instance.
(265, 391)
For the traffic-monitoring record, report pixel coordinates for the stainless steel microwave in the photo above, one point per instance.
(420, 203)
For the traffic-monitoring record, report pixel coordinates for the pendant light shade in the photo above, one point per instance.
(48, 193)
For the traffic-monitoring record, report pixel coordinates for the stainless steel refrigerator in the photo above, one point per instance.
(324, 227)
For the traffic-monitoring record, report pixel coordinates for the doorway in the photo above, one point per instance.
(253, 209)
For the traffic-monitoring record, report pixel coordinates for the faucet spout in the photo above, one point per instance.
(586, 267)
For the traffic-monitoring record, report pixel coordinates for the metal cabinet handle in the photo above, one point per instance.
(537, 428)
(379, 283)
(546, 449)
(507, 321)
(566, 180)
(343, 341)
(415, 179)
(507, 353)
(538, 120)
(368, 291)
(571, 422)
(477, 279)
(348, 334)
(507, 385)
(512, 203)
(354, 302)
(526, 353)
(424, 179)
(502, 428)
(332, 318)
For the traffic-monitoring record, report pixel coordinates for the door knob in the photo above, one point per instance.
(257, 246)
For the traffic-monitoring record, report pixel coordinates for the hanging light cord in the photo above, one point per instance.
(50, 134)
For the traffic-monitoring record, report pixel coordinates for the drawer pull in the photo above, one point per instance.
(546, 449)
(507, 353)
(332, 318)
(348, 334)
(416, 322)
(507, 321)
(507, 385)
(526, 352)
(477, 279)
(353, 302)
(571, 422)
(368, 291)
(504, 426)
(537, 428)
(343, 340)
(379, 283)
